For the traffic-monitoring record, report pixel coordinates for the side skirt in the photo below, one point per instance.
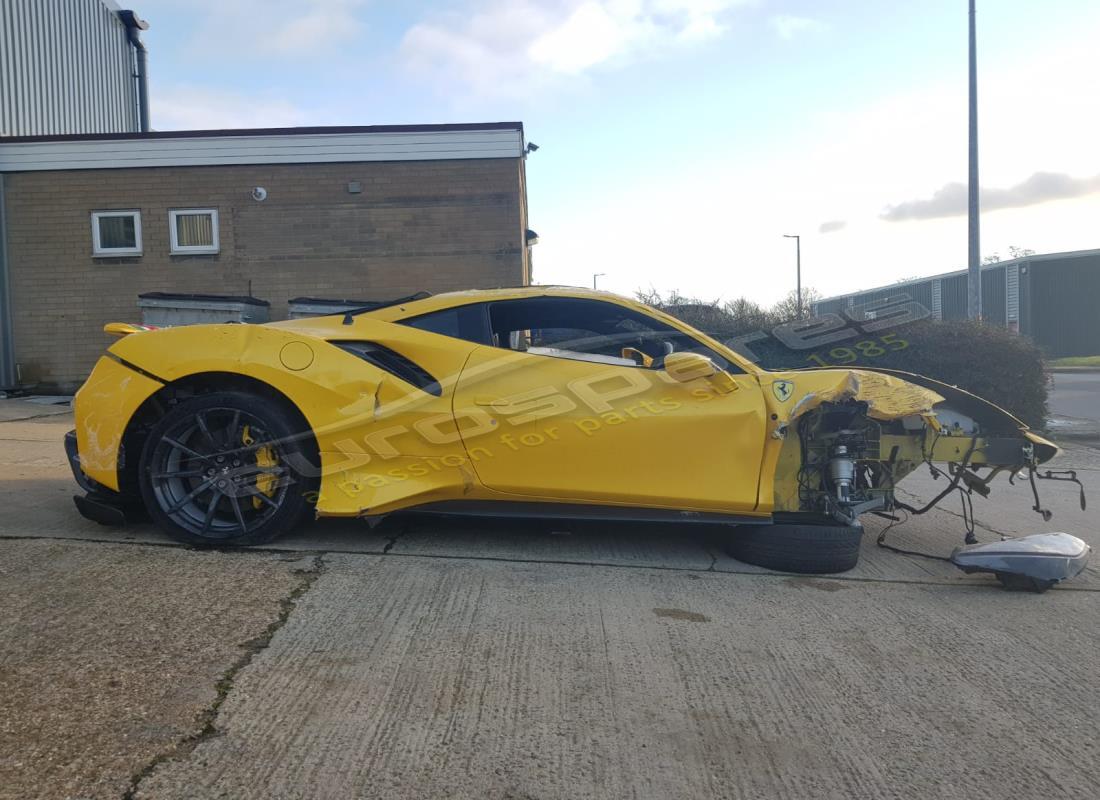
(579, 511)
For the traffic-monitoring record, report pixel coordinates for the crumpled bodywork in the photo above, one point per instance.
(886, 396)
(909, 419)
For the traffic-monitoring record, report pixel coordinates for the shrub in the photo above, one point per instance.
(986, 360)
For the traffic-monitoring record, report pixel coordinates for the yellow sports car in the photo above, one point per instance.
(534, 401)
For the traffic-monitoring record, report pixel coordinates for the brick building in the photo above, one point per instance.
(87, 223)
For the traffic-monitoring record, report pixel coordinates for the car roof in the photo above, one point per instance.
(445, 300)
(399, 311)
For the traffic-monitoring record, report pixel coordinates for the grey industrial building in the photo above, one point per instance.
(66, 67)
(71, 66)
(1050, 298)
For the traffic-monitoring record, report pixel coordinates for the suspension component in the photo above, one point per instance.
(842, 472)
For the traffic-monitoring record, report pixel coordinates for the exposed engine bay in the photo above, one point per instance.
(850, 464)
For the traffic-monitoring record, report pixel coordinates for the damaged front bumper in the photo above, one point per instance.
(73, 455)
(100, 504)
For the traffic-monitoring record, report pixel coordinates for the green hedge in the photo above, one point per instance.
(987, 360)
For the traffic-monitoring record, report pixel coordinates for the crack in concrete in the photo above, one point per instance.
(392, 540)
(208, 718)
(748, 572)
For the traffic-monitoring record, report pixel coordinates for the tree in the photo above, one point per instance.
(734, 317)
(748, 315)
(706, 315)
(1013, 252)
(787, 308)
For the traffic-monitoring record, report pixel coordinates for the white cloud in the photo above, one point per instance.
(195, 108)
(588, 36)
(788, 26)
(288, 28)
(951, 200)
(503, 47)
(705, 240)
(323, 23)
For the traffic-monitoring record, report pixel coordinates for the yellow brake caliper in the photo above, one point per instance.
(264, 458)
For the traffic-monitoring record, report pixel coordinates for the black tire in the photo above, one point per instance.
(804, 548)
(222, 469)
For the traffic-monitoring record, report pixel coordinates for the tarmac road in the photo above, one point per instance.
(1076, 394)
(478, 660)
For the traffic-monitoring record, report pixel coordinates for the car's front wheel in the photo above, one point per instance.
(227, 468)
(816, 548)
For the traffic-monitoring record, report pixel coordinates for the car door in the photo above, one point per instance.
(566, 407)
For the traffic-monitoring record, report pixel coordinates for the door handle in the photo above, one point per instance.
(492, 402)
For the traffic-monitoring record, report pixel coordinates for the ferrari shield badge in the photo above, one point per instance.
(783, 390)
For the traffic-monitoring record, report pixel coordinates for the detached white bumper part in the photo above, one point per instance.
(1034, 562)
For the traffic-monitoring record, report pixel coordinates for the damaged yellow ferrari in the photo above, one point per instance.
(534, 401)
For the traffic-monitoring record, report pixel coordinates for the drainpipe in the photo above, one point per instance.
(8, 378)
(134, 26)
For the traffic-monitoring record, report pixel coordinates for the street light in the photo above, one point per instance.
(596, 275)
(974, 238)
(798, 267)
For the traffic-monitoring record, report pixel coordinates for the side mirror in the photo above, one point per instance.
(685, 367)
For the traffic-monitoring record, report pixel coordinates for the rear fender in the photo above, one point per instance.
(361, 416)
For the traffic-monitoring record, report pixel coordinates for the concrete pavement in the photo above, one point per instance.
(517, 660)
(112, 657)
(399, 678)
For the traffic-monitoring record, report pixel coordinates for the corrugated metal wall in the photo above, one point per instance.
(953, 297)
(65, 67)
(1051, 299)
(921, 292)
(1063, 318)
(994, 295)
(830, 306)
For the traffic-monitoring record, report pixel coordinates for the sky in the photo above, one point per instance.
(679, 140)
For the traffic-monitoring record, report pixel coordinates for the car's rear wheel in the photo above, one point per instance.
(227, 469)
(811, 549)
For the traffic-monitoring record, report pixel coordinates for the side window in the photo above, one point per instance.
(116, 233)
(463, 322)
(590, 330)
(193, 230)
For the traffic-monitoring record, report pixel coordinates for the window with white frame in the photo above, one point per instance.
(116, 233)
(193, 230)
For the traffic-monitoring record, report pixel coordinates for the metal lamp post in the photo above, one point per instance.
(596, 275)
(798, 267)
(974, 260)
